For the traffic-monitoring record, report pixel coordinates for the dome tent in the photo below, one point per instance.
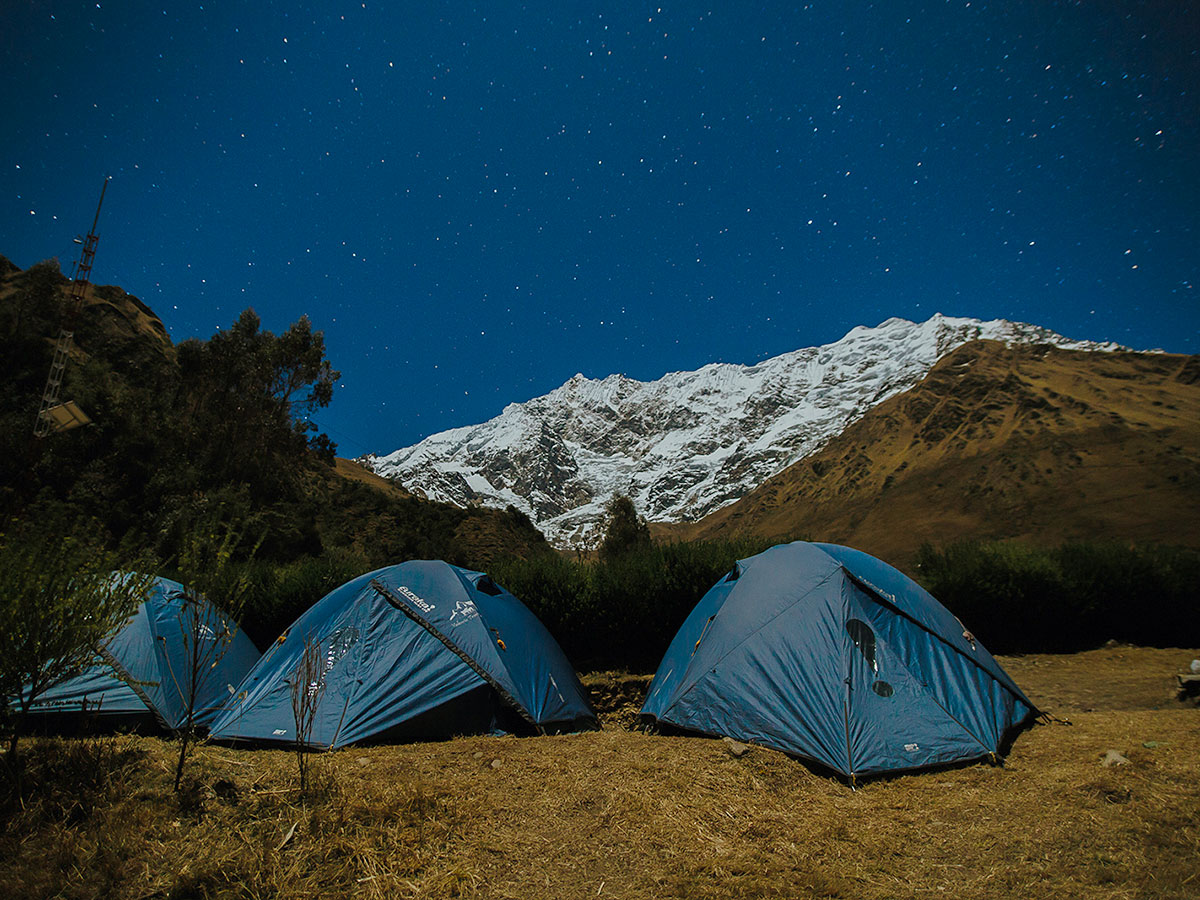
(142, 675)
(422, 649)
(829, 654)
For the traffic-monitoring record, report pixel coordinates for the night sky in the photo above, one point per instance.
(475, 202)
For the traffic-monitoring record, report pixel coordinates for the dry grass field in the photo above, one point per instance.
(618, 813)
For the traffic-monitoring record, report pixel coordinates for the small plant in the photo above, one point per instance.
(207, 630)
(308, 685)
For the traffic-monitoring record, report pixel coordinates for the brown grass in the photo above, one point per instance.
(623, 814)
(355, 471)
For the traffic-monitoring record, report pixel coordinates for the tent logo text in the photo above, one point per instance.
(415, 600)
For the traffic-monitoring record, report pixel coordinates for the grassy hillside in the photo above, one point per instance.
(1029, 443)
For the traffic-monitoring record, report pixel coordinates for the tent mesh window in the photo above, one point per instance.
(864, 639)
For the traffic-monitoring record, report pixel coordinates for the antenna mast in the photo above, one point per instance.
(55, 416)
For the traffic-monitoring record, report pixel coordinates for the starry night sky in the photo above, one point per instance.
(474, 202)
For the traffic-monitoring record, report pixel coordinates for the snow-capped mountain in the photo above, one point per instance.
(689, 442)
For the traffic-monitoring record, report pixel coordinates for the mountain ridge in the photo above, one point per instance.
(685, 444)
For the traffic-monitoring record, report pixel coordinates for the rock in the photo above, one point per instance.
(736, 748)
(495, 763)
(1195, 667)
(363, 760)
(478, 754)
(1114, 758)
(1189, 686)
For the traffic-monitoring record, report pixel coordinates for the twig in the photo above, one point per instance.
(287, 837)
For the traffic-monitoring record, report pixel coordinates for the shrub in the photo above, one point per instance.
(60, 596)
(1021, 599)
(620, 612)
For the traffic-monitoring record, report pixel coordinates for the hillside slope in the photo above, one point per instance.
(1028, 442)
(142, 465)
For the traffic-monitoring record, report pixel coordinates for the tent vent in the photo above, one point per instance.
(487, 586)
(734, 574)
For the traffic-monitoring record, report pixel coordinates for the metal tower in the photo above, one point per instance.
(55, 416)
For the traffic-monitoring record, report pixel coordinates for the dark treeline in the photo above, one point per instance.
(176, 430)
(1022, 599)
(621, 611)
(199, 432)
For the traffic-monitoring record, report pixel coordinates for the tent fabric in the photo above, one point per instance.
(829, 654)
(143, 670)
(419, 649)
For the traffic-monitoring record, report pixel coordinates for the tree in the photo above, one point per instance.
(61, 594)
(246, 395)
(625, 531)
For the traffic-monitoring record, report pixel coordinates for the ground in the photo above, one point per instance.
(618, 813)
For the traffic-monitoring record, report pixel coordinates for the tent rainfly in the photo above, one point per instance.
(413, 651)
(831, 655)
(142, 676)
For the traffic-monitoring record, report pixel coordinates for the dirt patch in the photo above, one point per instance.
(617, 697)
(1115, 677)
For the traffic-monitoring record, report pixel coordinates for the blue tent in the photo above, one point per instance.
(829, 654)
(143, 670)
(418, 650)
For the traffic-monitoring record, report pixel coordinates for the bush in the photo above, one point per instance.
(620, 612)
(1021, 599)
(60, 595)
(280, 593)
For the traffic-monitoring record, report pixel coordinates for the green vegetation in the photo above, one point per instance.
(1021, 599)
(58, 600)
(620, 612)
(626, 530)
